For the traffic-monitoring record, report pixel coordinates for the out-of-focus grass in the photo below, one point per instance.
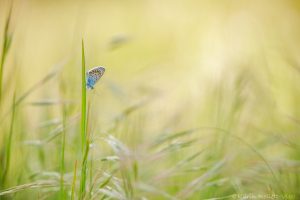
(200, 100)
(8, 146)
(7, 38)
(84, 141)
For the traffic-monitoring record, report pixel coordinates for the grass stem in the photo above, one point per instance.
(84, 142)
(5, 48)
(8, 144)
(74, 181)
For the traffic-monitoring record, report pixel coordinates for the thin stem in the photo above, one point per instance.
(74, 181)
(84, 142)
(62, 164)
(83, 103)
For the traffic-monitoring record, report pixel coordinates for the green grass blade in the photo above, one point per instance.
(84, 143)
(8, 144)
(74, 181)
(83, 102)
(84, 173)
(7, 38)
(62, 161)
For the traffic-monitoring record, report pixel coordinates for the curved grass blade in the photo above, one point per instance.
(7, 38)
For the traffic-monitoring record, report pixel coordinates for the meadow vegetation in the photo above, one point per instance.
(200, 99)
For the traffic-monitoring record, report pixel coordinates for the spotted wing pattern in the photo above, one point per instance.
(93, 76)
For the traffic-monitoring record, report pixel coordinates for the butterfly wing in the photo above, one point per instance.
(96, 73)
(93, 76)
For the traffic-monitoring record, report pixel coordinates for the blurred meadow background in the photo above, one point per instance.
(200, 99)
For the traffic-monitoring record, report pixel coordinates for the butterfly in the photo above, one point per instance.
(93, 75)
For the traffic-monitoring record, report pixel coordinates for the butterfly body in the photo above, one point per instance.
(93, 75)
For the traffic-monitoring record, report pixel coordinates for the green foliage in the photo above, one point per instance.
(190, 107)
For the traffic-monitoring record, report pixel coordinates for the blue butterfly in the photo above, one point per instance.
(93, 75)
